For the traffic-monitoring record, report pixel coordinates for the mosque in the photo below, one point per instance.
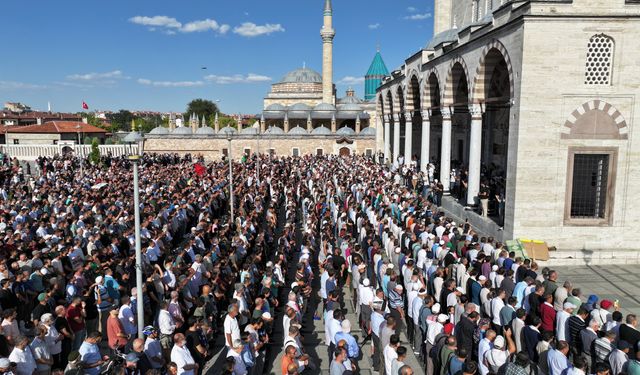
(538, 99)
(301, 115)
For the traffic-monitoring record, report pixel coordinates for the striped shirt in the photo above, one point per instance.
(602, 348)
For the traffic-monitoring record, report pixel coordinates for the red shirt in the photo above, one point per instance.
(72, 313)
(114, 327)
(548, 317)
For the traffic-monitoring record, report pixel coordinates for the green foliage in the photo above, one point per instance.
(94, 156)
(201, 107)
(120, 121)
(228, 121)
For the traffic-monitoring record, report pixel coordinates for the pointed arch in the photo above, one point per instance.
(457, 71)
(492, 54)
(399, 100)
(595, 119)
(432, 94)
(389, 100)
(413, 92)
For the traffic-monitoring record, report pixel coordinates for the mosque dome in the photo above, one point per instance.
(205, 130)
(250, 130)
(183, 130)
(274, 130)
(368, 131)
(160, 130)
(322, 130)
(276, 107)
(227, 130)
(324, 107)
(302, 75)
(298, 131)
(346, 131)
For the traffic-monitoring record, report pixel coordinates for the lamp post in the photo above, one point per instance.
(79, 150)
(232, 219)
(258, 159)
(135, 138)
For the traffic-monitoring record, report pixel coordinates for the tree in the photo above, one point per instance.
(120, 120)
(227, 121)
(201, 107)
(94, 156)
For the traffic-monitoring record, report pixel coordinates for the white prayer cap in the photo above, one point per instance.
(435, 308)
(442, 318)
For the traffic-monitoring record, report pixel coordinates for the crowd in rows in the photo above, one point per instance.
(307, 233)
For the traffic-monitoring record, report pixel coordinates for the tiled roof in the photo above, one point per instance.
(56, 127)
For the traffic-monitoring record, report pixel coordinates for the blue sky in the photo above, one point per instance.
(148, 54)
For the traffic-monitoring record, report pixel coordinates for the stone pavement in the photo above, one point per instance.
(607, 282)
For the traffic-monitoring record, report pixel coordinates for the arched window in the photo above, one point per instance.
(599, 58)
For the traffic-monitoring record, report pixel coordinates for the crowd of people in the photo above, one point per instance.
(306, 233)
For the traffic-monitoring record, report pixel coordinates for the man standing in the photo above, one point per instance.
(90, 354)
(181, 356)
(75, 316)
(557, 358)
(118, 338)
(167, 327)
(234, 352)
(231, 327)
(23, 358)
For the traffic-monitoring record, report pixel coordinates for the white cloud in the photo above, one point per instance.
(159, 21)
(116, 74)
(148, 82)
(237, 78)
(250, 29)
(418, 16)
(13, 85)
(350, 80)
(374, 26)
(169, 25)
(411, 9)
(204, 25)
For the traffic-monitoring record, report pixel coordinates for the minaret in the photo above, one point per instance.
(327, 33)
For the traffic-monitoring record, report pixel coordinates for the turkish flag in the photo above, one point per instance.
(85, 105)
(199, 169)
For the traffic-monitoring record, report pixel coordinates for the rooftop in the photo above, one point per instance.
(57, 127)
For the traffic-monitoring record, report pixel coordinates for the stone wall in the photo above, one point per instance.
(212, 148)
(552, 88)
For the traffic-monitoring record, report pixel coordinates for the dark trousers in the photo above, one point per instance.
(377, 352)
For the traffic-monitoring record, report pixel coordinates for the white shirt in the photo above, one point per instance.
(166, 323)
(433, 329)
(182, 357)
(483, 347)
(416, 306)
(562, 325)
(24, 361)
(128, 320)
(231, 327)
(389, 355)
(496, 358)
(496, 306)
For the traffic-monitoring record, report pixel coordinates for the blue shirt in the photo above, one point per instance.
(557, 362)
(89, 354)
(352, 346)
(376, 321)
(518, 292)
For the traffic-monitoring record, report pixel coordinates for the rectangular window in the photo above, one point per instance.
(319, 152)
(295, 151)
(16, 141)
(368, 152)
(272, 151)
(247, 151)
(225, 152)
(590, 187)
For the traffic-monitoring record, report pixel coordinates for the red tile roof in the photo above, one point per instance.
(56, 127)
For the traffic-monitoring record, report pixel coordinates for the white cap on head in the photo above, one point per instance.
(494, 267)
(366, 282)
(442, 318)
(459, 289)
(482, 278)
(346, 326)
(99, 279)
(435, 308)
(569, 305)
(498, 343)
(441, 242)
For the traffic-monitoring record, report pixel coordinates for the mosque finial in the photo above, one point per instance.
(377, 47)
(327, 6)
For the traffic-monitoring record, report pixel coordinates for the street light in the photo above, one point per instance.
(230, 180)
(135, 138)
(79, 153)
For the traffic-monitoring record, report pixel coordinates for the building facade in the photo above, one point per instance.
(538, 99)
(301, 115)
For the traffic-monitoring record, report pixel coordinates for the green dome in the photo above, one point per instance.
(377, 71)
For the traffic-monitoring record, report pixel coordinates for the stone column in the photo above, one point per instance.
(445, 156)
(309, 124)
(358, 124)
(396, 139)
(475, 148)
(263, 124)
(407, 136)
(387, 138)
(426, 137)
(333, 124)
(286, 123)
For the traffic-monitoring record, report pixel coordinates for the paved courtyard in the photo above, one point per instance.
(610, 282)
